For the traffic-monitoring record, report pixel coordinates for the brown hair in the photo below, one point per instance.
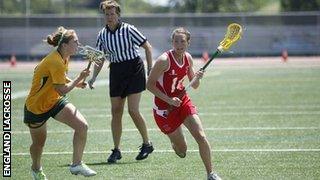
(108, 4)
(181, 30)
(61, 35)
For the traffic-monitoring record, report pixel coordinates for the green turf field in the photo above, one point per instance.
(261, 116)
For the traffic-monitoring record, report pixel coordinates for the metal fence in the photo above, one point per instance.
(264, 35)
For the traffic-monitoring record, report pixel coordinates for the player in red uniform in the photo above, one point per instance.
(172, 106)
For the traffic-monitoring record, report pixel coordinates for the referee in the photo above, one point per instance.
(127, 74)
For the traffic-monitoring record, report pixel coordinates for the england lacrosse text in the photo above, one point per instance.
(6, 139)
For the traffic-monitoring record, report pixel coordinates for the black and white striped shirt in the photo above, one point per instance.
(122, 44)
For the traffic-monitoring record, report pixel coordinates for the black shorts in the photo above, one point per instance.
(31, 118)
(127, 78)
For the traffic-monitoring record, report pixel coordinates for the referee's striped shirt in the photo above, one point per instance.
(122, 44)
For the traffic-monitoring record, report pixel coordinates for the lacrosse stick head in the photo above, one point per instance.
(93, 55)
(233, 34)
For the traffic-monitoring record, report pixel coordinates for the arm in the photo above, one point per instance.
(63, 89)
(81, 84)
(159, 67)
(191, 74)
(140, 40)
(147, 47)
(96, 71)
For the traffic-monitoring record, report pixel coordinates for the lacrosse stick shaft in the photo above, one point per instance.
(211, 59)
(92, 54)
(88, 67)
(89, 64)
(202, 69)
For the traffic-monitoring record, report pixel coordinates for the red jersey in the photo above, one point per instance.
(171, 81)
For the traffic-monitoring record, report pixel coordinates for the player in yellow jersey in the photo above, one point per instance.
(47, 99)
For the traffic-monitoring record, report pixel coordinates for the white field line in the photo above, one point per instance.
(108, 114)
(19, 94)
(214, 73)
(105, 112)
(301, 106)
(214, 106)
(262, 113)
(206, 129)
(171, 151)
(22, 94)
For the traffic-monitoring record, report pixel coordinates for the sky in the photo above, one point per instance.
(159, 2)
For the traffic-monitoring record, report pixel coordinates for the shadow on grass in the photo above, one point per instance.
(106, 163)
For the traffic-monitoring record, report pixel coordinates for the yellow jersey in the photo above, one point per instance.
(51, 70)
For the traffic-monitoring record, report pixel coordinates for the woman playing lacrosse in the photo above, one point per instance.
(127, 75)
(47, 99)
(172, 106)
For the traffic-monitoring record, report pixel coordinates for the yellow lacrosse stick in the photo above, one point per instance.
(233, 34)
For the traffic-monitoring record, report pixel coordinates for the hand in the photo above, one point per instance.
(199, 74)
(90, 82)
(82, 85)
(85, 73)
(175, 102)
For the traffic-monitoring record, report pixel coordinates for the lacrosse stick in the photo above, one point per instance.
(233, 34)
(93, 55)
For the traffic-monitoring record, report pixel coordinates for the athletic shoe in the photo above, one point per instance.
(38, 175)
(213, 176)
(145, 150)
(82, 169)
(115, 155)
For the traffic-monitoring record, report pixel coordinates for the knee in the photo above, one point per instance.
(38, 143)
(82, 127)
(116, 110)
(133, 111)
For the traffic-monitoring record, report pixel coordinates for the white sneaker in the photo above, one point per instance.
(38, 175)
(213, 176)
(82, 169)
